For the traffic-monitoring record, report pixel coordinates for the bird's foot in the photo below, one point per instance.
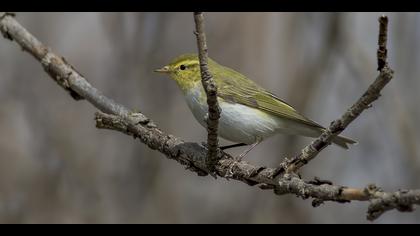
(229, 173)
(233, 146)
(236, 160)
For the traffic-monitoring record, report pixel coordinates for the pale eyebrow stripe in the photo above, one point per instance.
(189, 64)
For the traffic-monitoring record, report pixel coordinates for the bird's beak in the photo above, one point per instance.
(164, 69)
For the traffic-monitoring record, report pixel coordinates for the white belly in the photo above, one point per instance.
(237, 123)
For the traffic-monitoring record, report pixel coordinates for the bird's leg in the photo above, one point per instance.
(233, 146)
(239, 158)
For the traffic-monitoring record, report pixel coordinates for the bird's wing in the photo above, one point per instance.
(235, 88)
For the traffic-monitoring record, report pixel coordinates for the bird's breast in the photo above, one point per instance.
(237, 123)
(196, 101)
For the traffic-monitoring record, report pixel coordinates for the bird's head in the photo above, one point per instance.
(185, 70)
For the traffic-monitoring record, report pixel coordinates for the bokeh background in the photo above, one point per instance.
(56, 167)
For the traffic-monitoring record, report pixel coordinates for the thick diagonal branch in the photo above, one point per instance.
(363, 103)
(211, 91)
(193, 155)
(57, 67)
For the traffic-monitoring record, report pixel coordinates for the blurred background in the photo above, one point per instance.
(56, 167)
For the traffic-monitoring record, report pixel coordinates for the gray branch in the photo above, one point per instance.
(193, 155)
(380, 202)
(402, 200)
(363, 103)
(382, 39)
(211, 91)
(57, 67)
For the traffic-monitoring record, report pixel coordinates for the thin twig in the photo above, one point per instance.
(211, 91)
(382, 39)
(338, 126)
(193, 155)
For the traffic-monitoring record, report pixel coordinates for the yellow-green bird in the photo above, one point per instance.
(249, 113)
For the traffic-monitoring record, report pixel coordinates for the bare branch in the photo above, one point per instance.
(57, 67)
(381, 202)
(211, 91)
(193, 155)
(338, 126)
(382, 38)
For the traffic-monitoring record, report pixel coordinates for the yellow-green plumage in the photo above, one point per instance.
(249, 112)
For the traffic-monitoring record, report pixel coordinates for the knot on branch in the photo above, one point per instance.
(4, 30)
(336, 127)
(4, 14)
(138, 118)
(5, 33)
(53, 64)
(317, 181)
(371, 189)
(317, 202)
(387, 72)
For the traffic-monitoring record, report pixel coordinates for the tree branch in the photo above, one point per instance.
(193, 155)
(211, 91)
(57, 67)
(380, 201)
(382, 38)
(338, 126)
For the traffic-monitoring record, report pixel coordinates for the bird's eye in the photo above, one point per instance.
(182, 67)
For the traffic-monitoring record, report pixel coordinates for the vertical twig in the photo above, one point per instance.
(211, 91)
(382, 38)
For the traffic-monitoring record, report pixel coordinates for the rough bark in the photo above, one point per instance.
(211, 91)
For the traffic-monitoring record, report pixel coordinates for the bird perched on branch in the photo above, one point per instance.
(249, 113)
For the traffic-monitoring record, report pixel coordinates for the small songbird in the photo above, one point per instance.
(249, 113)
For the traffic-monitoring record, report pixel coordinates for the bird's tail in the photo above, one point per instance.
(343, 141)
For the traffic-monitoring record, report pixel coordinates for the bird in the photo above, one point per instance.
(249, 113)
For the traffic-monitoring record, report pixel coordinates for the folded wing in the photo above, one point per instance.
(236, 88)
